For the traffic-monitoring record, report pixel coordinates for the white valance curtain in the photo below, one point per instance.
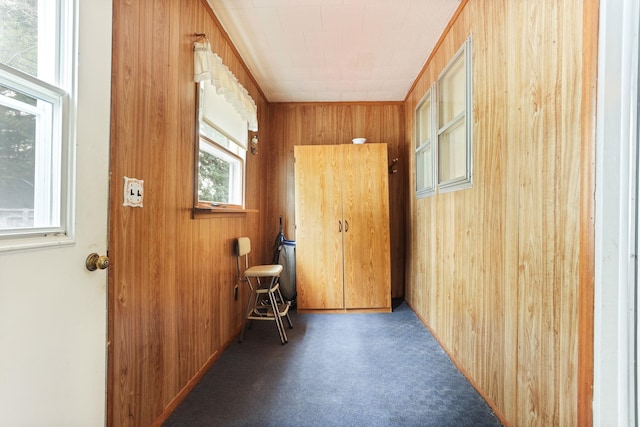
(218, 113)
(208, 66)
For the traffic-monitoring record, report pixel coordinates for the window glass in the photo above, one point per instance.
(452, 92)
(28, 155)
(425, 126)
(219, 175)
(424, 162)
(423, 122)
(452, 152)
(28, 37)
(17, 161)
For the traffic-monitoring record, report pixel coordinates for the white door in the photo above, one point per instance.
(52, 309)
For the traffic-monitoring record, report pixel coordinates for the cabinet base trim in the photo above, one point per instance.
(343, 310)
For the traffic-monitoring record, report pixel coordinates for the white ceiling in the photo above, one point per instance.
(334, 50)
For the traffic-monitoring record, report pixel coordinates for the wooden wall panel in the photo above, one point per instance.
(494, 271)
(171, 279)
(329, 124)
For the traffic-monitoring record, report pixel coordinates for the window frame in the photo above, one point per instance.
(59, 93)
(429, 143)
(464, 181)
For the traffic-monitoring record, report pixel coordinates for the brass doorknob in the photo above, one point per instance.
(95, 261)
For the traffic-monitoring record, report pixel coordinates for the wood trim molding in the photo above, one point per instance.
(587, 213)
(204, 213)
(443, 36)
(323, 104)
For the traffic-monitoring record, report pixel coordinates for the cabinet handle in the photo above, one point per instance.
(339, 226)
(346, 225)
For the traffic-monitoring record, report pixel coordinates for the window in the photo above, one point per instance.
(455, 123)
(35, 169)
(222, 151)
(226, 112)
(425, 119)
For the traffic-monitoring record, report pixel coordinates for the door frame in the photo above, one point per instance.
(616, 216)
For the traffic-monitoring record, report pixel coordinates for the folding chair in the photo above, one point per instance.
(265, 300)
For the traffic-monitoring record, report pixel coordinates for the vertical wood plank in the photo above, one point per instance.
(587, 212)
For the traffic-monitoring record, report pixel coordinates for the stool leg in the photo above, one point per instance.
(288, 303)
(277, 318)
(252, 296)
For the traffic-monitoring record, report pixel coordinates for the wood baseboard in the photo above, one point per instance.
(175, 402)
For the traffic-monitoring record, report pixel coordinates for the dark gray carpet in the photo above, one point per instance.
(337, 370)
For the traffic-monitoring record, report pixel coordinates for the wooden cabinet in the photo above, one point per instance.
(342, 227)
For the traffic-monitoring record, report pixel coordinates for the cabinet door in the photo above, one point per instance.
(318, 211)
(365, 199)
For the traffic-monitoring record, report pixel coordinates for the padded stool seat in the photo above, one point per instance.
(264, 271)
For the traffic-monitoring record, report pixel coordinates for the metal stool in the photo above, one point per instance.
(265, 300)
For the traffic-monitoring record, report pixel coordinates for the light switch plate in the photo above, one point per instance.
(133, 192)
